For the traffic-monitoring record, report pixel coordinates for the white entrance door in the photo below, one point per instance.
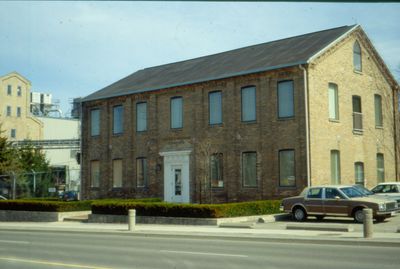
(176, 176)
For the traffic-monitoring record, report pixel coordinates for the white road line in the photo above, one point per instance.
(49, 263)
(14, 242)
(204, 253)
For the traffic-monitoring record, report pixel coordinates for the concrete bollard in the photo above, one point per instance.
(132, 219)
(368, 223)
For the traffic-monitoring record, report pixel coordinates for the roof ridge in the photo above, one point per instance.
(255, 45)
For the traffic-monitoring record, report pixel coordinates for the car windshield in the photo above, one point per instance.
(363, 190)
(352, 192)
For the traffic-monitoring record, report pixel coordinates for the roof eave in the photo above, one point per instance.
(86, 99)
(334, 42)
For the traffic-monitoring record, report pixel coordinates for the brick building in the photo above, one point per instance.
(258, 122)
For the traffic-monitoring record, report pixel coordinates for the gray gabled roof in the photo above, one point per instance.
(267, 56)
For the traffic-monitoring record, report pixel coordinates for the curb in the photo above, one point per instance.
(289, 239)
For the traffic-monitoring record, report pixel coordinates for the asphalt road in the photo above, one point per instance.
(33, 249)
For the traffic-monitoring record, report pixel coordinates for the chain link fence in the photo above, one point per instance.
(39, 184)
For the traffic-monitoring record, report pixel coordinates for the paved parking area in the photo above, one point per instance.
(390, 225)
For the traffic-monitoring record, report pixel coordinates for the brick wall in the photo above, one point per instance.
(336, 66)
(266, 136)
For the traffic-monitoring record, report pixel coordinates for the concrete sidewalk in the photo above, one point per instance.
(282, 235)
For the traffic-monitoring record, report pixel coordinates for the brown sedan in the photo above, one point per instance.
(344, 201)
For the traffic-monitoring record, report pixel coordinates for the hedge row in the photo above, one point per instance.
(187, 210)
(46, 206)
(60, 206)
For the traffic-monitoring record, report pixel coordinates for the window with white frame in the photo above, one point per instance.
(357, 114)
(249, 169)
(333, 102)
(95, 122)
(117, 173)
(19, 91)
(378, 110)
(141, 172)
(359, 173)
(176, 112)
(248, 103)
(141, 116)
(95, 174)
(8, 111)
(357, 63)
(9, 89)
(380, 168)
(287, 177)
(285, 99)
(335, 167)
(118, 119)
(18, 112)
(215, 107)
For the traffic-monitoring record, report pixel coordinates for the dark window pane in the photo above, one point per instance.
(285, 99)
(249, 169)
(249, 104)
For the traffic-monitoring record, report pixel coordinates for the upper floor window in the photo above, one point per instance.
(117, 173)
(8, 112)
(118, 119)
(249, 104)
(19, 91)
(380, 167)
(335, 167)
(357, 57)
(176, 112)
(9, 90)
(287, 176)
(95, 122)
(215, 107)
(18, 112)
(216, 170)
(141, 172)
(141, 117)
(333, 102)
(13, 133)
(359, 173)
(357, 114)
(249, 169)
(95, 174)
(285, 99)
(378, 110)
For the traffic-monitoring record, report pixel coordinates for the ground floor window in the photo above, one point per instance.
(117, 173)
(335, 167)
(141, 172)
(249, 169)
(95, 174)
(216, 170)
(287, 176)
(380, 167)
(359, 173)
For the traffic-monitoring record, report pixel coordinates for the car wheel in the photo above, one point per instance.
(299, 214)
(319, 217)
(359, 216)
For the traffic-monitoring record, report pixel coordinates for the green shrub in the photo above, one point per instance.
(56, 205)
(187, 210)
(46, 206)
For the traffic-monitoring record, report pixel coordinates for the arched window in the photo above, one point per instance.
(357, 56)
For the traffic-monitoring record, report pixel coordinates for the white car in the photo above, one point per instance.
(390, 190)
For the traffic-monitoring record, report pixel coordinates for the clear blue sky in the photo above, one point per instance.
(71, 49)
